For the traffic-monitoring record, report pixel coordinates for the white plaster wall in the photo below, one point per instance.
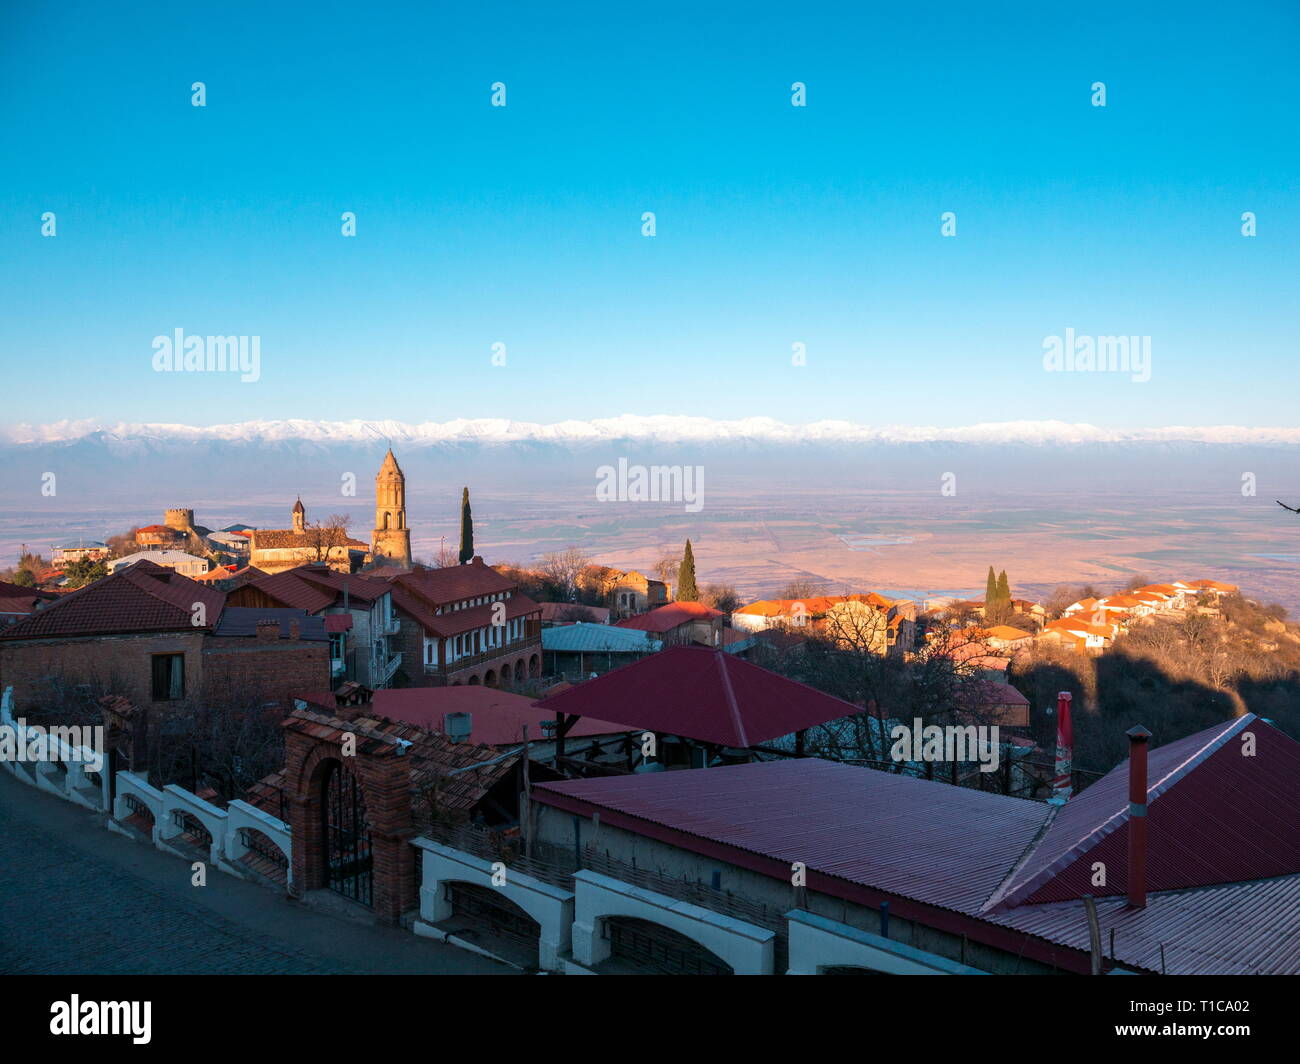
(550, 906)
(748, 949)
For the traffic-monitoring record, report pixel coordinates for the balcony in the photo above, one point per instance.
(468, 661)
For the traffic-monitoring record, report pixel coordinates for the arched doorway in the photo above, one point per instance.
(348, 858)
(490, 680)
(535, 666)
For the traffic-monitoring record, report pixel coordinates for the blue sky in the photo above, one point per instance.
(775, 224)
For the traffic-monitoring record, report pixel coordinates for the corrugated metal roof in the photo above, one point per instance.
(593, 638)
(943, 845)
(1201, 790)
(977, 853)
(701, 693)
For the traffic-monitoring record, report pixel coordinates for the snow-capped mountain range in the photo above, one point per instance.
(659, 429)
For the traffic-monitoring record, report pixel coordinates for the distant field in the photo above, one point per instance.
(913, 544)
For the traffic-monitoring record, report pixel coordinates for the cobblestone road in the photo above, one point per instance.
(76, 898)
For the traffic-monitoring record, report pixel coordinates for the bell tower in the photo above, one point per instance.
(391, 539)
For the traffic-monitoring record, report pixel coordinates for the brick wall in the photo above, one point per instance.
(122, 661)
(241, 669)
(215, 668)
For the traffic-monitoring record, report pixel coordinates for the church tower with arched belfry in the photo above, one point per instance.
(391, 540)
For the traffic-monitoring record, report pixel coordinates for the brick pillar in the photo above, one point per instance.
(386, 779)
(304, 812)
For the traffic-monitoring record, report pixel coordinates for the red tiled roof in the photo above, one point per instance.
(454, 583)
(8, 590)
(666, 618)
(496, 717)
(316, 587)
(453, 622)
(143, 597)
(554, 611)
(435, 759)
(701, 693)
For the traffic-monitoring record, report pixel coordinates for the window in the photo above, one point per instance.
(336, 646)
(168, 677)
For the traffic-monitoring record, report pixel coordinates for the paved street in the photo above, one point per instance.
(76, 898)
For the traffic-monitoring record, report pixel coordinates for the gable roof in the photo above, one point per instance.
(454, 583)
(701, 693)
(462, 773)
(454, 622)
(1213, 816)
(317, 587)
(496, 717)
(862, 833)
(1007, 632)
(666, 618)
(567, 612)
(143, 597)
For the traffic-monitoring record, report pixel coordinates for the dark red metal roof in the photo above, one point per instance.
(1214, 816)
(871, 836)
(701, 693)
(944, 845)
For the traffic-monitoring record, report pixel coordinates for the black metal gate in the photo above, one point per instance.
(652, 947)
(348, 858)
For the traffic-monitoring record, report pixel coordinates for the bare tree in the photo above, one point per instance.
(563, 568)
(802, 587)
(446, 557)
(722, 597)
(326, 537)
(666, 568)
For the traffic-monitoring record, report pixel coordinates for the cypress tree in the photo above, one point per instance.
(466, 530)
(686, 589)
(990, 590)
(1004, 590)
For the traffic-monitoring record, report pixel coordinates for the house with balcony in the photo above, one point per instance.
(466, 624)
(358, 612)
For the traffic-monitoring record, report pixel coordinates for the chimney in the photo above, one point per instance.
(268, 630)
(1137, 816)
(457, 726)
(295, 630)
(1062, 785)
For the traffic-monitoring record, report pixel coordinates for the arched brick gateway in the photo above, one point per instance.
(374, 772)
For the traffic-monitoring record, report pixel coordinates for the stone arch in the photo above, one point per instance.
(535, 666)
(474, 681)
(490, 678)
